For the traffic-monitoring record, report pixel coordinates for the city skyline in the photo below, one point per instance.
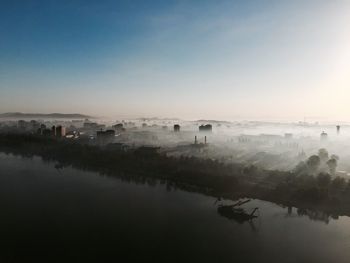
(223, 60)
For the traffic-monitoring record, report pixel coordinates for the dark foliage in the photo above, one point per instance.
(301, 188)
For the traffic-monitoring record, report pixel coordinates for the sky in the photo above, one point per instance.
(188, 59)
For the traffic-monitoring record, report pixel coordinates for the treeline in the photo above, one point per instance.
(311, 184)
(315, 181)
(139, 163)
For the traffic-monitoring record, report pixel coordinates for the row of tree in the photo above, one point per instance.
(311, 182)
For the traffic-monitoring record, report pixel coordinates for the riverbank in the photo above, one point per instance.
(147, 165)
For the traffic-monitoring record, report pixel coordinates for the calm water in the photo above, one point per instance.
(75, 216)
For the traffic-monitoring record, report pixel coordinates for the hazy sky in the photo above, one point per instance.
(188, 59)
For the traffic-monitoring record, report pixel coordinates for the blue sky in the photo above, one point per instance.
(188, 59)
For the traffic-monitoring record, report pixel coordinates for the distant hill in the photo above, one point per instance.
(157, 119)
(213, 121)
(19, 115)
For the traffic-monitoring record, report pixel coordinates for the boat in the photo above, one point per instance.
(238, 214)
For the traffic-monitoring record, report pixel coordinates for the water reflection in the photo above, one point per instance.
(316, 215)
(59, 214)
(237, 212)
(312, 214)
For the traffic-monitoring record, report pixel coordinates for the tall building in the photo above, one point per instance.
(53, 130)
(176, 128)
(60, 131)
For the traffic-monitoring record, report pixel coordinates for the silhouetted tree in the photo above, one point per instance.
(313, 163)
(301, 168)
(334, 156)
(332, 164)
(338, 183)
(323, 154)
(323, 180)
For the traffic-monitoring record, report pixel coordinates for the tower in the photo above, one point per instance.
(176, 128)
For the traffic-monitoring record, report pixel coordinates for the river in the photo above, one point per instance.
(68, 215)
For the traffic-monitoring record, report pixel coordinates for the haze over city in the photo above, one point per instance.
(175, 131)
(264, 60)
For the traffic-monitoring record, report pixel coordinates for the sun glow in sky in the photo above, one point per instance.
(188, 59)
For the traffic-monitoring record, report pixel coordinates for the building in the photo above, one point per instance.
(205, 128)
(93, 125)
(176, 128)
(57, 131)
(60, 131)
(53, 130)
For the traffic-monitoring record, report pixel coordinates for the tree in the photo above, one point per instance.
(313, 163)
(338, 183)
(323, 154)
(323, 180)
(332, 164)
(334, 156)
(301, 168)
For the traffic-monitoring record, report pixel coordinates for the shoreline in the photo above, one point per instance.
(206, 176)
